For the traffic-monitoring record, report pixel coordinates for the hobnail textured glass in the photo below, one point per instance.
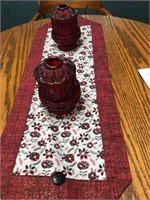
(65, 29)
(59, 90)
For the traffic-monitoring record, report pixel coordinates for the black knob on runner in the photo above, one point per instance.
(58, 178)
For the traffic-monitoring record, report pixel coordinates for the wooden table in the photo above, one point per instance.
(127, 44)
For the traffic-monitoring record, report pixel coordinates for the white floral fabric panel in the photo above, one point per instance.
(71, 143)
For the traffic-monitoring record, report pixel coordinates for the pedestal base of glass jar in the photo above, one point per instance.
(62, 111)
(64, 107)
(67, 43)
(67, 47)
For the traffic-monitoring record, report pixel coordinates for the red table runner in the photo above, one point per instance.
(117, 167)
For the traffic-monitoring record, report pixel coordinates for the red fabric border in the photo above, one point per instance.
(117, 167)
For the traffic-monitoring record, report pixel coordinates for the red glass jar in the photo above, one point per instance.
(65, 29)
(59, 90)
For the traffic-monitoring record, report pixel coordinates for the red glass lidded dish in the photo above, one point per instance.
(65, 29)
(59, 90)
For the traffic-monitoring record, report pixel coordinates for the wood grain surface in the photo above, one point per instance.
(127, 44)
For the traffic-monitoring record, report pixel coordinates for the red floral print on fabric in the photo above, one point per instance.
(70, 143)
